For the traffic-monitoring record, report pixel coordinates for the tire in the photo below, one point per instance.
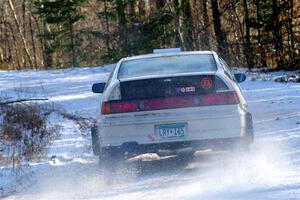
(95, 140)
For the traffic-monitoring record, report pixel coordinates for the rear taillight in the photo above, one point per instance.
(219, 98)
(124, 107)
(105, 108)
(119, 107)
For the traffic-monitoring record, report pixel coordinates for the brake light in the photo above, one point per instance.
(119, 107)
(123, 107)
(219, 98)
(105, 108)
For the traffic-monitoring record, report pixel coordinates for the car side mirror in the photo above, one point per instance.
(98, 87)
(240, 77)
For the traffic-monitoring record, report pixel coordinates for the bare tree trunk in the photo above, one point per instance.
(262, 51)
(39, 44)
(122, 23)
(291, 26)
(2, 52)
(196, 12)
(188, 21)
(32, 39)
(291, 34)
(17, 58)
(247, 42)
(23, 25)
(47, 55)
(73, 53)
(10, 60)
(217, 26)
(107, 35)
(206, 37)
(179, 42)
(277, 35)
(2, 36)
(20, 33)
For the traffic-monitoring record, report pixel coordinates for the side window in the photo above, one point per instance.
(227, 69)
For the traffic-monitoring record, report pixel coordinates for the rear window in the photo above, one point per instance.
(167, 65)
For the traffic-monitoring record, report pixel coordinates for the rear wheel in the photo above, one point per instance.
(95, 140)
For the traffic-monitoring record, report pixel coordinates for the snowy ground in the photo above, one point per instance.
(271, 171)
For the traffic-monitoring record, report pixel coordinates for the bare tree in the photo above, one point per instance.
(21, 35)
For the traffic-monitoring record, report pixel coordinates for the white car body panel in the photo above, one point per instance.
(202, 123)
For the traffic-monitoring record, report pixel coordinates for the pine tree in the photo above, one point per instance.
(60, 17)
(134, 33)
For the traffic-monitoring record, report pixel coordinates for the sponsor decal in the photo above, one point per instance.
(186, 89)
(151, 137)
(206, 83)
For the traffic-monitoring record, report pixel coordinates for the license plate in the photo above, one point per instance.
(170, 131)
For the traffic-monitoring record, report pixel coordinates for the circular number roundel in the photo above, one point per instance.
(206, 83)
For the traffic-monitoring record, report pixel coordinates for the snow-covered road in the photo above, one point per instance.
(271, 171)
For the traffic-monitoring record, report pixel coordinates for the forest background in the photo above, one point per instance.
(46, 34)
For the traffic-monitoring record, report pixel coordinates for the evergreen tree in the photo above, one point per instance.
(60, 17)
(136, 34)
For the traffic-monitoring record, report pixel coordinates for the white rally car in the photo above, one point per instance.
(170, 102)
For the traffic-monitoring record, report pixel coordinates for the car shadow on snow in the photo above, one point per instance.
(145, 165)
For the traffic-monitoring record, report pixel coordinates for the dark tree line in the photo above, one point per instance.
(63, 33)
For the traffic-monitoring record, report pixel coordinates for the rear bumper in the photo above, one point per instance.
(203, 123)
(132, 148)
(246, 137)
